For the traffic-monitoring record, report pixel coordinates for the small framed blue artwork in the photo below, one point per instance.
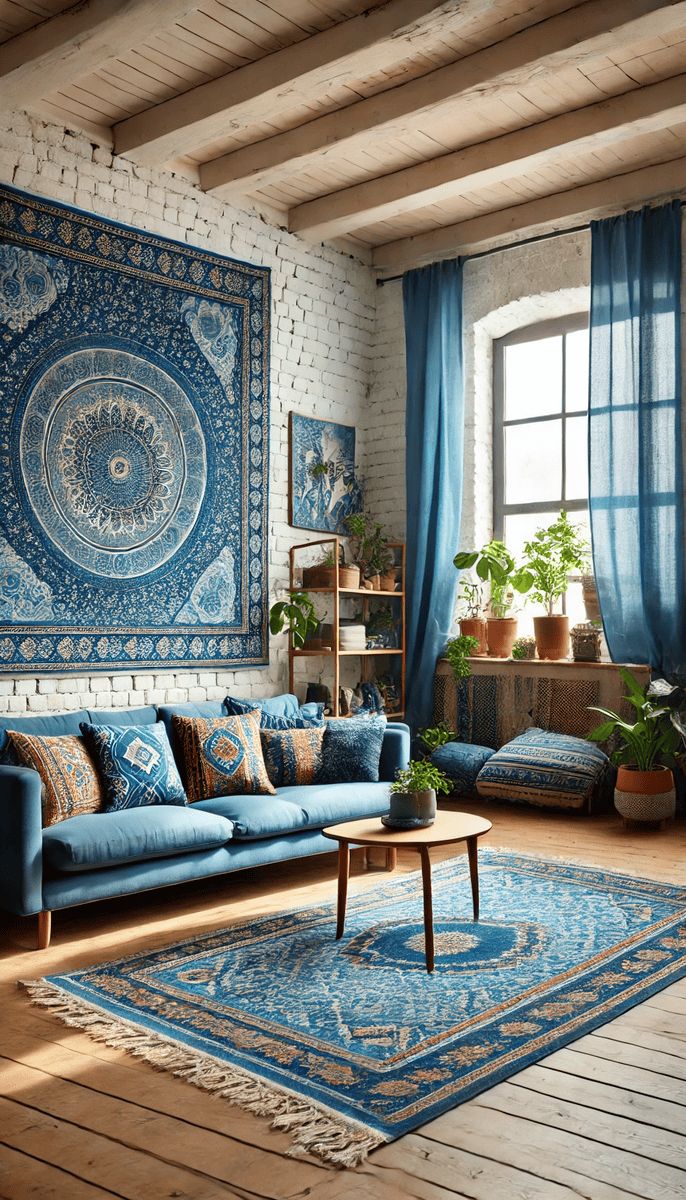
(323, 488)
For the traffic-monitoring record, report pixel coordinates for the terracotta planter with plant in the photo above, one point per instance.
(321, 574)
(369, 548)
(495, 566)
(413, 795)
(647, 751)
(550, 557)
(473, 624)
(501, 634)
(475, 627)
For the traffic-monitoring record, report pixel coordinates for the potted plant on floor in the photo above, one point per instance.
(496, 566)
(413, 795)
(296, 616)
(550, 557)
(646, 754)
(470, 599)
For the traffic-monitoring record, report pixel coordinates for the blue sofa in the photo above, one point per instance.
(95, 856)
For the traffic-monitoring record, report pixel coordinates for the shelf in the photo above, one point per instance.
(312, 653)
(366, 652)
(349, 591)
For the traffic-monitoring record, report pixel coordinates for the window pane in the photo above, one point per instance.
(577, 369)
(576, 465)
(533, 463)
(533, 378)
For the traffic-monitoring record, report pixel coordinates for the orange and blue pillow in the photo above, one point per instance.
(293, 756)
(222, 756)
(70, 780)
(136, 765)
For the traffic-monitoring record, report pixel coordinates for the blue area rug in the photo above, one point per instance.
(351, 1044)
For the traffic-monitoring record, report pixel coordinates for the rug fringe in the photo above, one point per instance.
(313, 1128)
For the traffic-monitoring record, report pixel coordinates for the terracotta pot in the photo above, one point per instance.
(552, 636)
(349, 577)
(388, 581)
(645, 795)
(374, 581)
(475, 627)
(319, 577)
(501, 633)
(412, 810)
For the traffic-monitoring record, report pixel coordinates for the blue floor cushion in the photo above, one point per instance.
(131, 835)
(461, 762)
(544, 768)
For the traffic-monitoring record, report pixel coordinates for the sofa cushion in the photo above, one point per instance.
(255, 817)
(70, 781)
(461, 762)
(136, 765)
(352, 750)
(131, 835)
(222, 756)
(544, 768)
(304, 717)
(146, 715)
(53, 726)
(285, 705)
(328, 804)
(293, 756)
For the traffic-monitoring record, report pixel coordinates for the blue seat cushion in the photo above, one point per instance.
(255, 817)
(131, 835)
(147, 715)
(327, 804)
(461, 762)
(544, 768)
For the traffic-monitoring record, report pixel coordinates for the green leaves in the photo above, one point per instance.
(652, 740)
(494, 565)
(551, 556)
(419, 776)
(457, 651)
(437, 735)
(296, 616)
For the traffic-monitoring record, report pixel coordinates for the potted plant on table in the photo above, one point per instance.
(646, 754)
(550, 557)
(470, 598)
(413, 795)
(496, 566)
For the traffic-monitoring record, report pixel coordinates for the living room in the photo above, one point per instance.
(309, 884)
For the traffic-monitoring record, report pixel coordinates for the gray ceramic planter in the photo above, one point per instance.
(412, 810)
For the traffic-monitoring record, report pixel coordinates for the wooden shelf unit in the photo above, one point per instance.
(335, 544)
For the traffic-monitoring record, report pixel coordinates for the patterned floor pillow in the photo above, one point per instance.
(71, 785)
(136, 765)
(461, 762)
(544, 768)
(222, 756)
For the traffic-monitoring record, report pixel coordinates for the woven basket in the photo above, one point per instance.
(645, 795)
(349, 577)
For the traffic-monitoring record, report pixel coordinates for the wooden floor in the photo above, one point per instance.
(603, 1119)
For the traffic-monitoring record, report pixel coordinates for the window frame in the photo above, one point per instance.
(530, 333)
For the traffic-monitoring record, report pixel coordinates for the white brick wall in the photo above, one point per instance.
(323, 309)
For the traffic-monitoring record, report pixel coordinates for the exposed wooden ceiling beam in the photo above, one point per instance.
(545, 214)
(656, 106)
(364, 44)
(570, 38)
(38, 62)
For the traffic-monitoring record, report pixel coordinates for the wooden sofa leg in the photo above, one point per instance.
(391, 858)
(44, 929)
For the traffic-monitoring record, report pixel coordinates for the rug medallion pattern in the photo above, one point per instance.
(134, 446)
(360, 1029)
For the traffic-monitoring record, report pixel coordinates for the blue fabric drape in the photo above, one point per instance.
(434, 425)
(635, 448)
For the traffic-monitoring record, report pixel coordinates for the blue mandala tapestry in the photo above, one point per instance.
(134, 422)
(352, 1043)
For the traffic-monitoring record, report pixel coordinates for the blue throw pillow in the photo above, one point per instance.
(275, 706)
(306, 718)
(352, 750)
(136, 765)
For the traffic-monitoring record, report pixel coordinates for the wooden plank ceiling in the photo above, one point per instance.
(413, 128)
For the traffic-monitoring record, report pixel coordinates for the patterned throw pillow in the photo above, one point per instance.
(307, 715)
(222, 756)
(136, 765)
(352, 750)
(544, 768)
(293, 756)
(70, 780)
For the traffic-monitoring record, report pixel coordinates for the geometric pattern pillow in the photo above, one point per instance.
(544, 768)
(293, 756)
(222, 756)
(136, 765)
(352, 750)
(70, 781)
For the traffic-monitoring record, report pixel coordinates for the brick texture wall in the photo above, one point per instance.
(323, 314)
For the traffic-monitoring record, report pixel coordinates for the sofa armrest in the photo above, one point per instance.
(395, 751)
(21, 841)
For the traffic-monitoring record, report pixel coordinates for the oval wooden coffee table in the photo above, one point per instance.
(448, 827)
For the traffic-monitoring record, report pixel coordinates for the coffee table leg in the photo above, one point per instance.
(343, 872)
(428, 908)
(473, 875)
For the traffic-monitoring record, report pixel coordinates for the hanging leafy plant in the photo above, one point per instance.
(457, 651)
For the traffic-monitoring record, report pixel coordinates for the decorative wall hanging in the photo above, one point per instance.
(323, 488)
(134, 422)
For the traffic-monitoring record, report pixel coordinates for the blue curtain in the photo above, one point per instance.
(635, 449)
(434, 426)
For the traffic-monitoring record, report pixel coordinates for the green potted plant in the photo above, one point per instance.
(470, 599)
(435, 736)
(413, 795)
(496, 566)
(550, 557)
(457, 651)
(523, 648)
(646, 754)
(296, 616)
(370, 550)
